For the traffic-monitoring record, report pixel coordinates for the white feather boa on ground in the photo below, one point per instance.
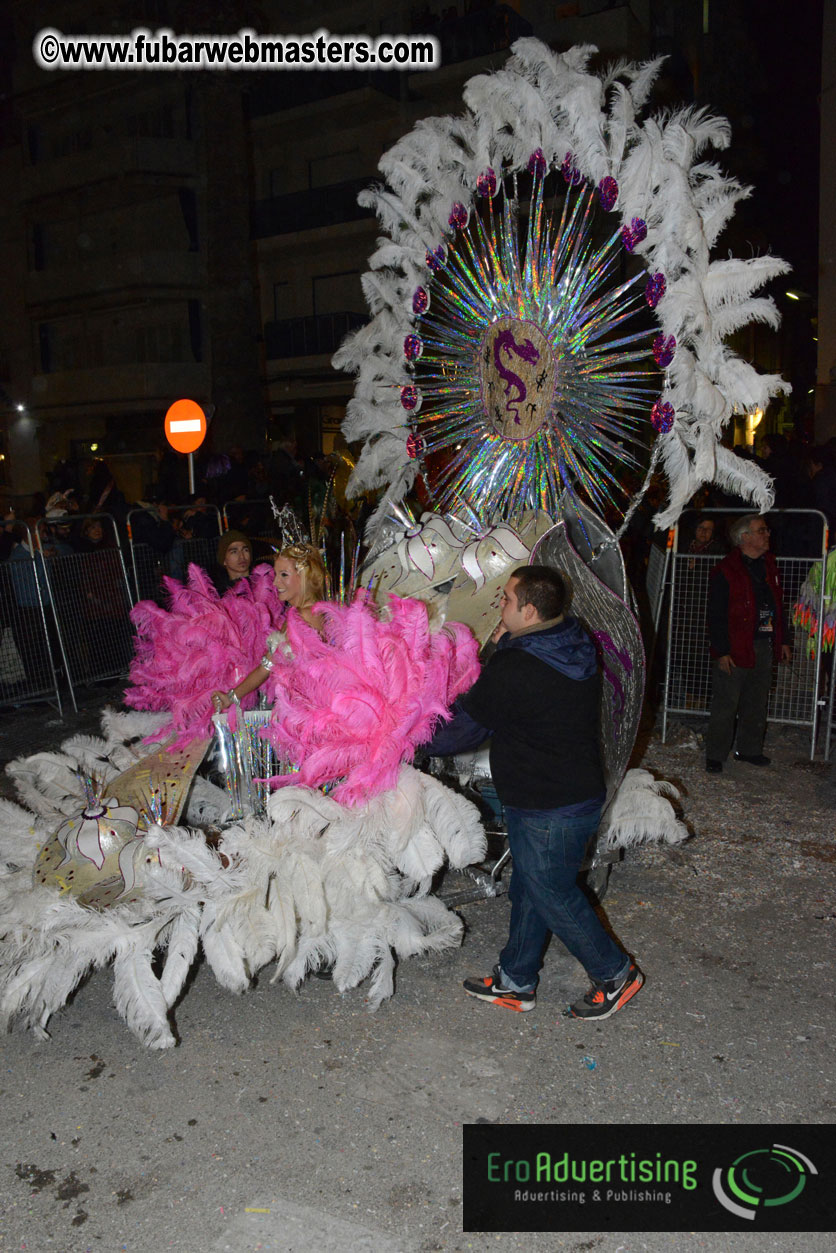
(315, 882)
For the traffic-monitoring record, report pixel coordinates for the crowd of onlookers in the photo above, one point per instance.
(161, 533)
(174, 528)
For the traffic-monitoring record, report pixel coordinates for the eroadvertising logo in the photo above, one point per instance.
(563, 1177)
(773, 1176)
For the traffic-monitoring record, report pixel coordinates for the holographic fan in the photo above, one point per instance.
(536, 371)
(514, 360)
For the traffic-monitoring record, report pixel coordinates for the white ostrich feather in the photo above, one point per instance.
(304, 882)
(138, 995)
(382, 983)
(456, 823)
(182, 943)
(421, 856)
(47, 783)
(19, 835)
(283, 914)
(744, 478)
(359, 947)
(246, 921)
(223, 952)
(351, 878)
(640, 813)
(126, 727)
(90, 751)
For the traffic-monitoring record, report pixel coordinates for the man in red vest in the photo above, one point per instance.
(746, 631)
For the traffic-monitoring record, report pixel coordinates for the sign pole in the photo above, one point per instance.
(185, 430)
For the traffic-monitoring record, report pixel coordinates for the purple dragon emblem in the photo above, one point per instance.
(527, 352)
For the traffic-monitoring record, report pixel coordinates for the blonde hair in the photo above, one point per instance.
(309, 565)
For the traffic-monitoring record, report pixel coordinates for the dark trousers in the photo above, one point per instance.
(743, 696)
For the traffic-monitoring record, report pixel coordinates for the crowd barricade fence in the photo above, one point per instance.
(794, 697)
(29, 645)
(90, 595)
(148, 565)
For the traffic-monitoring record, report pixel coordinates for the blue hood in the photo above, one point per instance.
(565, 647)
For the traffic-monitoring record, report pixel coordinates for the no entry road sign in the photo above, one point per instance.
(185, 426)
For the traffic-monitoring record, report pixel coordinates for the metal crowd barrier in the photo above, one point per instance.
(794, 698)
(65, 614)
(28, 634)
(91, 600)
(148, 565)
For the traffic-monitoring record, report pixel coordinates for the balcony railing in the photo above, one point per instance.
(304, 210)
(309, 337)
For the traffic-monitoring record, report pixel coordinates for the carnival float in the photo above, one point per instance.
(548, 331)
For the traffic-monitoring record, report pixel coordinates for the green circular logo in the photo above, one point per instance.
(762, 1178)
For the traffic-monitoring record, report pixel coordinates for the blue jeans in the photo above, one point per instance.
(548, 850)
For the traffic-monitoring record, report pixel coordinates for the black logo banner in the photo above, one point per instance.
(629, 1177)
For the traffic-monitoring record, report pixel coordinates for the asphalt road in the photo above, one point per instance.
(303, 1122)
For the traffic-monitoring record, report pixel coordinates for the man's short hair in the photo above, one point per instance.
(740, 527)
(542, 587)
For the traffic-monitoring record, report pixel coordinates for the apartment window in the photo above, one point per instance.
(82, 351)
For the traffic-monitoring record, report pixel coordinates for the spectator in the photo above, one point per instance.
(822, 492)
(151, 525)
(234, 558)
(705, 543)
(106, 631)
(103, 496)
(746, 632)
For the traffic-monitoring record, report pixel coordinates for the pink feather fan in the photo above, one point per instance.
(203, 642)
(355, 705)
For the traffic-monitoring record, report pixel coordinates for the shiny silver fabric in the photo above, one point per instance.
(596, 545)
(609, 620)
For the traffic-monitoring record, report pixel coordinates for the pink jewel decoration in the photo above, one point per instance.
(663, 350)
(436, 259)
(413, 346)
(486, 182)
(655, 289)
(634, 233)
(414, 446)
(420, 301)
(409, 397)
(608, 192)
(537, 162)
(661, 416)
(458, 216)
(569, 170)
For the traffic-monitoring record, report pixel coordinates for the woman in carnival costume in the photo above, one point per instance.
(299, 575)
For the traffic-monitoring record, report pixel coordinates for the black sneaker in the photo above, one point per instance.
(757, 760)
(491, 989)
(607, 997)
(712, 766)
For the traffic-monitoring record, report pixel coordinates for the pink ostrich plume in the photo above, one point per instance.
(202, 642)
(355, 705)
